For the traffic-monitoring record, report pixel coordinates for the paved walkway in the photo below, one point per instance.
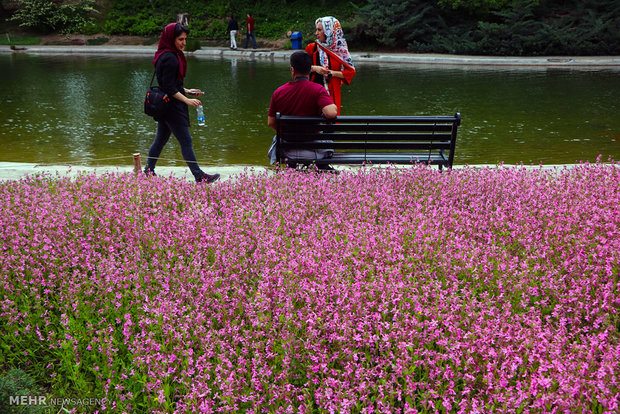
(19, 170)
(358, 57)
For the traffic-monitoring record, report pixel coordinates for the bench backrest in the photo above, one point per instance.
(370, 133)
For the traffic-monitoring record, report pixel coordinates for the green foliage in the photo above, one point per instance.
(486, 27)
(91, 28)
(396, 24)
(478, 5)
(11, 39)
(140, 24)
(517, 27)
(17, 383)
(274, 18)
(54, 15)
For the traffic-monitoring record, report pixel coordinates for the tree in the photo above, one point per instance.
(396, 24)
(54, 15)
(480, 5)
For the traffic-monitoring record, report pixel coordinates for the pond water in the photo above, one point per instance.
(88, 109)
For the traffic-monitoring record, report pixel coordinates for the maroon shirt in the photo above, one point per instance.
(300, 98)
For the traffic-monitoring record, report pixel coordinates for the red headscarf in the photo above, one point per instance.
(166, 44)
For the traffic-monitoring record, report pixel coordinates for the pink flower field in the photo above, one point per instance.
(378, 291)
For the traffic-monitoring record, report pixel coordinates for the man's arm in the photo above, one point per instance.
(330, 111)
(271, 121)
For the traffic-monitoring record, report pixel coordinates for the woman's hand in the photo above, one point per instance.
(194, 92)
(193, 102)
(321, 70)
(186, 100)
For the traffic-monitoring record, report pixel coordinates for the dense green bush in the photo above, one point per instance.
(17, 383)
(91, 28)
(486, 27)
(209, 21)
(516, 27)
(54, 15)
(480, 5)
(140, 24)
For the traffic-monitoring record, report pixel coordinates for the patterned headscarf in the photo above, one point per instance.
(166, 44)
(334, 40)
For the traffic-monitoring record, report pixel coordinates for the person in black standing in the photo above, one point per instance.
(170, 69)
(232, 28)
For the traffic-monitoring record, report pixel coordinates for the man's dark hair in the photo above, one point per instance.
(301, 62)
(180, 29)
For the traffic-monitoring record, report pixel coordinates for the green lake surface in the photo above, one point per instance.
(87, 110)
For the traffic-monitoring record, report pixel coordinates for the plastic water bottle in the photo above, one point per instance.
(201, 115)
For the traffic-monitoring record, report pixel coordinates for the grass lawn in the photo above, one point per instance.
(14, 39)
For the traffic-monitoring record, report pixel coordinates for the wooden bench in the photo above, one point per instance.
(370, 139)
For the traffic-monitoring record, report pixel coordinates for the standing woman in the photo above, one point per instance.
(331, 62)
(170, 68)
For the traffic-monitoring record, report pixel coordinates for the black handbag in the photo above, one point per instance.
(156, 101)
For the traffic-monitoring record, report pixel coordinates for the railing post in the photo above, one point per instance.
(137, 164)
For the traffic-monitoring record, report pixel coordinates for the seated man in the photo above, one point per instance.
(301, 98)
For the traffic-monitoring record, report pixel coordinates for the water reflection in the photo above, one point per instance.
(73, 95)
(89, 109)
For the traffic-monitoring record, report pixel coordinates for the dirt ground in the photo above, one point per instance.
(59, 39)
(102, 39)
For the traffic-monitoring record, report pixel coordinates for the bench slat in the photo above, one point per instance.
(367, 137)
(381, 158)
(367, 145)
(375, 119)
(326, 128)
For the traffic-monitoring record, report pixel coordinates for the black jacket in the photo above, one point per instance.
(232, 25)
(167, 72)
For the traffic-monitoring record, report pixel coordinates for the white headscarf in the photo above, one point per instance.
(334, 40)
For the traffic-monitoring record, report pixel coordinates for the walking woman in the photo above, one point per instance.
(331, 62)
(170, 68)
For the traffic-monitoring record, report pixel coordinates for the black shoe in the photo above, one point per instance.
(149, 173)
(208, 178)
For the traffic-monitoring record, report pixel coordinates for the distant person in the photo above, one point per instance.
(232, 28)
(302, 98)
(170, 68)
(331, 62)
(250, 31)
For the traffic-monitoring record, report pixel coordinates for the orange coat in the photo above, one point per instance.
(335, 64)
